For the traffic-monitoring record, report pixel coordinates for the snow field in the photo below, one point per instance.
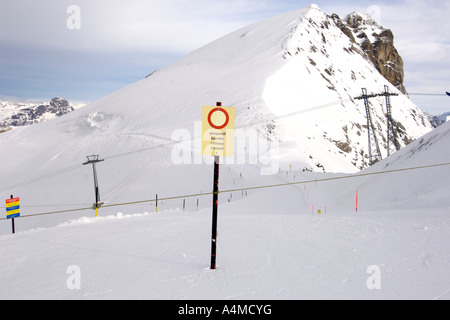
(273, 252)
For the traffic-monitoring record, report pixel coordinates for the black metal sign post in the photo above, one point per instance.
(214, 218)
(215, 208)
(217, 140)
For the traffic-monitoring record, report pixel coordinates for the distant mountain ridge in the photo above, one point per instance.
(438, 120)
(19, 114)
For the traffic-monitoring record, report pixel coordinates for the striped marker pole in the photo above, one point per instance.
(13, 210)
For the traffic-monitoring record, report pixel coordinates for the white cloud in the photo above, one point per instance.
(420, 27)
(169, 25)
(173, 28)
(423, 41)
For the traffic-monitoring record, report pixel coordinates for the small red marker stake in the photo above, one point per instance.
(357, 200)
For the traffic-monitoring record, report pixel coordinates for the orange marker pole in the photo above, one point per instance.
(357, 200)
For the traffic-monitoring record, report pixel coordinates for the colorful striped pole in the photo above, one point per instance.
(13, 210)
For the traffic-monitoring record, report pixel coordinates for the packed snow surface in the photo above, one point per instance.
(266, 254)
(272, 244)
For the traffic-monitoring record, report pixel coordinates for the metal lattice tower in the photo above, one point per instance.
(390, 121)
(374, 147)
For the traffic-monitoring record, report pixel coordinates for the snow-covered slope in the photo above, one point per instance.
(270, 245)
(423, 189)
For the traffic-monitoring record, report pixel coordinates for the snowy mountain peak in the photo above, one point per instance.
(314, 6)
(325, 64)
(358, 20)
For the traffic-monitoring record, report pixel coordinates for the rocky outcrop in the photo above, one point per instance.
(439, 120)
(377, 43)
(30, 114)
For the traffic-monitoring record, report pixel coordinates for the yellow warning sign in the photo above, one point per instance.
(218, 131)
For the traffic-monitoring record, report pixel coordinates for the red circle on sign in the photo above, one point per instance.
(227, 120)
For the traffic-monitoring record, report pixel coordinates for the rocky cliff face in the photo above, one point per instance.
(13, 114)
(377, 44)
(439, 120)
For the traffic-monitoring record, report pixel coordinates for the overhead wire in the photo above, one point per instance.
(40, 178)
(354, 176)
(428, 94)
(258, 122)
(115, 156)
(251, 124)
(255, 123)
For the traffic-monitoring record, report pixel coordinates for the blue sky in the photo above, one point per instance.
(119, 42)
